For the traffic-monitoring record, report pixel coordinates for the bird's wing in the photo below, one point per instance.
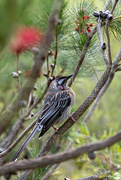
(54, 106)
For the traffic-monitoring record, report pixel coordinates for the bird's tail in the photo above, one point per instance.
(25, 143)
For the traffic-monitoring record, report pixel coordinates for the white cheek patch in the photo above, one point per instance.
(60, 81)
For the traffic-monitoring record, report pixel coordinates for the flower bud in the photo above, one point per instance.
(23, 103)
(96, 14)
(35, 87)
(52, 66)
(15, 74)
(50, 78)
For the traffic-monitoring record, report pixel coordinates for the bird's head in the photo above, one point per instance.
(59, 83)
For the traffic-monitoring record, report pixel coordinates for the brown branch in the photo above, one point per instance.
(59, 157)
(101, 93)
(13, 110)
(118, 58)
(56, 53)
(108, 42)
(114, 6)
(107, 33)
(83, 53)
(48, 68)
(100, 176)
(101, 41)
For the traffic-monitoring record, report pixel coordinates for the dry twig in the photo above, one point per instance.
(59, 157)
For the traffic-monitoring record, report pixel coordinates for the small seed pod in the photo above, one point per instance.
(51, 53)
(105, 15)
(35, 50)
(109, 17)
(52, 66)
(91, 155)
(59, 21)
(104, 46)
(19, 72)
(101, 14)
(46, 75)
(14, 74)
(23, 103)
(32, 114)
(50, 78)
(96, 14)
(35, 87)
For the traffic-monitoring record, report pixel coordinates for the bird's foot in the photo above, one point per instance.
(56, 129)
(71, 116)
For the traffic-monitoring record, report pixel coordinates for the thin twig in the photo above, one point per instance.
(54, 167)
(100, 176)
(108, 42)
(48, 69)
(29, 101)
(101, 93)
(56, 53)
(59, 157)
(18, 139)
(114, 6)
(83, 53)
(118, 58)
(101, 41)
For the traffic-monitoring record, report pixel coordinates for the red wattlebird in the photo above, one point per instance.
(56, 109)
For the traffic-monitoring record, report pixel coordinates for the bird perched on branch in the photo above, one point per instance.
(56, 109)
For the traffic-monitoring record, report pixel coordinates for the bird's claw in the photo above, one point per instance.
(56, 129)
(71, 116)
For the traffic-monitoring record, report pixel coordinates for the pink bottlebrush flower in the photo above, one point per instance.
(88, 29)
(25, 38)
(86, 17)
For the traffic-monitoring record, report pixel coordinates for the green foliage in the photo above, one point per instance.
(105, 159)
(40, 172)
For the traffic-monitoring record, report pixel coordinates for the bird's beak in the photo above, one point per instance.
(64, 79)
(68, 77)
